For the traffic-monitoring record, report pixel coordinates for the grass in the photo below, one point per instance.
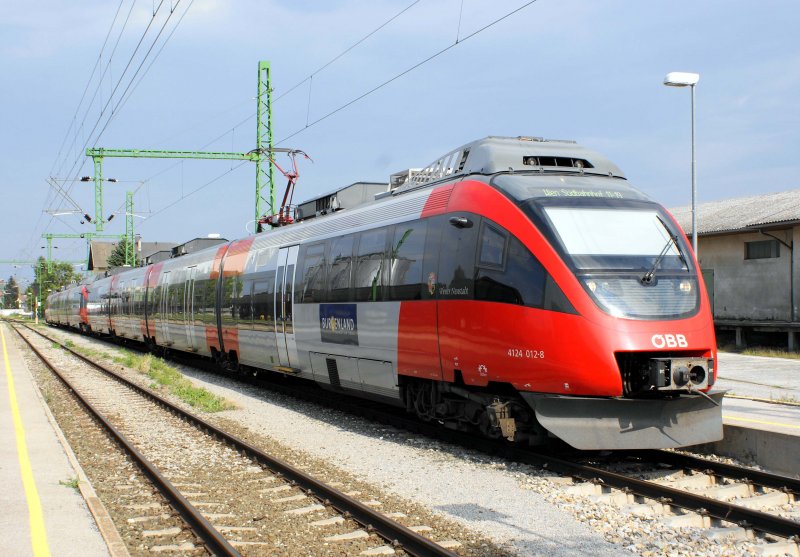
(165, 376)
(72, 482)
(87, 351)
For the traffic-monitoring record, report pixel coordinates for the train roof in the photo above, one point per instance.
(501, 158)
(492, 155)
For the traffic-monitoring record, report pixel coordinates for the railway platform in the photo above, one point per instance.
(40, 512)
(761, 411)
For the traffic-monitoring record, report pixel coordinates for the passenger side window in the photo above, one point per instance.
(370, 265)
(311, 274)
(245, 301)
(229, 304)
(340, 259)
(408, 249)
(264, 303)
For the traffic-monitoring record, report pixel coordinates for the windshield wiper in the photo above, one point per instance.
(648, 277)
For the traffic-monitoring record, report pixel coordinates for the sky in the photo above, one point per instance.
(72, 76)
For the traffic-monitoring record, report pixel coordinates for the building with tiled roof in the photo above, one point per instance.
(746, 251)
(100, 251)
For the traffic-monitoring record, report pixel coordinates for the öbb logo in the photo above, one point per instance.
(669, 341)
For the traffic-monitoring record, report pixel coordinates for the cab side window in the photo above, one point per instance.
(507, 271)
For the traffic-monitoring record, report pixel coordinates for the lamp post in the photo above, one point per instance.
(685, 79)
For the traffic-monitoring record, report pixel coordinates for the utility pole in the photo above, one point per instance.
(264, 142)
(262, 155)
(98, 194)
(130, 249)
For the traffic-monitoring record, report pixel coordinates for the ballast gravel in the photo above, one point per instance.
(516, 506)
(485, 495)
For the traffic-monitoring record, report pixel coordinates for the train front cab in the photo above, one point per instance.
(628, 367)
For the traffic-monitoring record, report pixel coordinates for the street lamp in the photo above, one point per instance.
(685, 79)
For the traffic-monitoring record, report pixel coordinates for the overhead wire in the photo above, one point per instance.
(52, 195)
(123, 97)
(100, 81)
(194, 191)
(116, 107)
(153, 60)
(88, 83)
(406, 71)
(285, 93)
(295, 86)
(347, 50)
(89, 139)
(377, 87)
(349, 103)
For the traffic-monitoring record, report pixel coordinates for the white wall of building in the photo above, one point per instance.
(751, 289)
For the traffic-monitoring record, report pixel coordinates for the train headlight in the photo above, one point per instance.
(592, 285)
(685, 286)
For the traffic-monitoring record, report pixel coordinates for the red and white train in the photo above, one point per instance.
(516, 286)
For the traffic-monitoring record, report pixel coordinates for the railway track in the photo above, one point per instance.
(234, 497)
(723, 500)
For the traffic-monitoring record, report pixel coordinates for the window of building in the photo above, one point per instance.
(765, 249)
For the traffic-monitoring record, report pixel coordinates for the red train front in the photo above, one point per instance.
(561, 286)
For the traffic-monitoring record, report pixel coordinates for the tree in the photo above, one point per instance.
(60, 275)
(117, 257)
(11, 294)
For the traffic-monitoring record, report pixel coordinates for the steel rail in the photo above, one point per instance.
(388, 529)
(722, 510)
(729, 512)
(742, 516)
(213, 539)
(766, 479)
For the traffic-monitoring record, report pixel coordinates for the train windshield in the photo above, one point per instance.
(616, 239)
(628, 258)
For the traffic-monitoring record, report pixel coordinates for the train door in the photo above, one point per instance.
(188, 308)
(284, 295)
(119, 322)
(162, 323)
